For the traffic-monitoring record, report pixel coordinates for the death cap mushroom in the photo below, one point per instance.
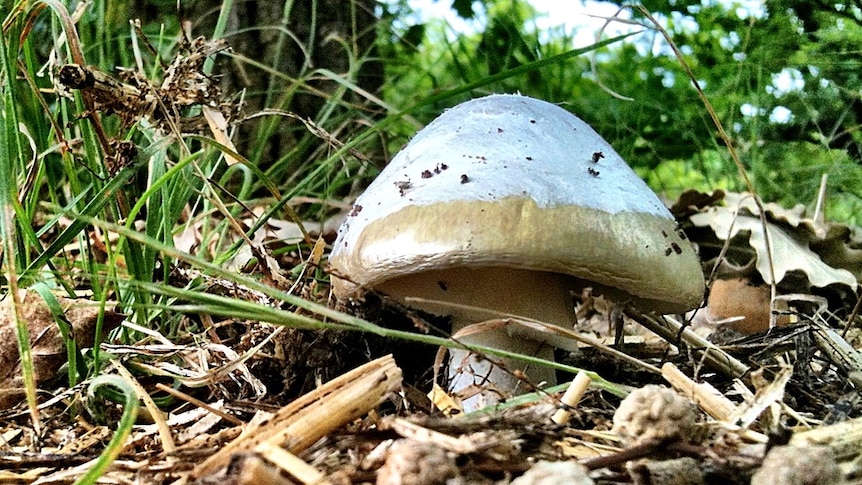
(508, 203)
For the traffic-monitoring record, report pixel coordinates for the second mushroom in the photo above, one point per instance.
(509, 204)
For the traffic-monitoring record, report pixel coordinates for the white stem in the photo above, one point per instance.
(541, 296)
(481, 382)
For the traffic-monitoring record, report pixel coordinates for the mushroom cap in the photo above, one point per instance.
(511, 181)
(808, 465)
(654, 412)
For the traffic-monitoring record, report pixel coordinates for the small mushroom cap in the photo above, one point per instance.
(809, 465)
(654, 413)
(511, 181)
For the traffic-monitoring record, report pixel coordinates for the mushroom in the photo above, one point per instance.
(654, 413)
(509, 203)
(808, 465)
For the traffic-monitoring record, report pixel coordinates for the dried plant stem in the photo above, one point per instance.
(572, 397)
(299, 470)
(724, 136)
(675, 333)
(703, 394)
(314, 415)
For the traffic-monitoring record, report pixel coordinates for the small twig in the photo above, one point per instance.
(197, 402)
(643, 450)
(708, 398)
(314, 415)
(675, 333)
(639, 450)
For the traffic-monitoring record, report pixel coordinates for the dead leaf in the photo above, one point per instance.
(738, 304)
(789, 242)
(46, 342)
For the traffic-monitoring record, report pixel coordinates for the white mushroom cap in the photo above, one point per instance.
(514, 182)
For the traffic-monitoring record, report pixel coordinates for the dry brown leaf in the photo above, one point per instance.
(46, 342)
(789, 241)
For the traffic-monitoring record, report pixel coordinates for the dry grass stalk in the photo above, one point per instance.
(314, 415)
(708, 398)
(296, 468)
(674, 332)
(572, 397)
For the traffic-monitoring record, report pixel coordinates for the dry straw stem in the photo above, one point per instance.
(156, 414)
(724, 136)
(674, 332)
(464, 444)
(314, 415)
(197, 402)
(296, 468)
(708, 398)
(572, 397)
(768, 394)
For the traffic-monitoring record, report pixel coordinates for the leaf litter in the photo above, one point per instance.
(799, 391)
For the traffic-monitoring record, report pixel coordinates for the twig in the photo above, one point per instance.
(314, 415)
(674, 332)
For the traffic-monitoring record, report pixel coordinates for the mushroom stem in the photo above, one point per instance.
(481, 381)
(537, 295)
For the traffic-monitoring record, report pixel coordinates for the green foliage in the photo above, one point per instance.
(742, 62)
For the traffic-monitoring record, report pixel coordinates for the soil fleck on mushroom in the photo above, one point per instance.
(403, 186)
(464, 178)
